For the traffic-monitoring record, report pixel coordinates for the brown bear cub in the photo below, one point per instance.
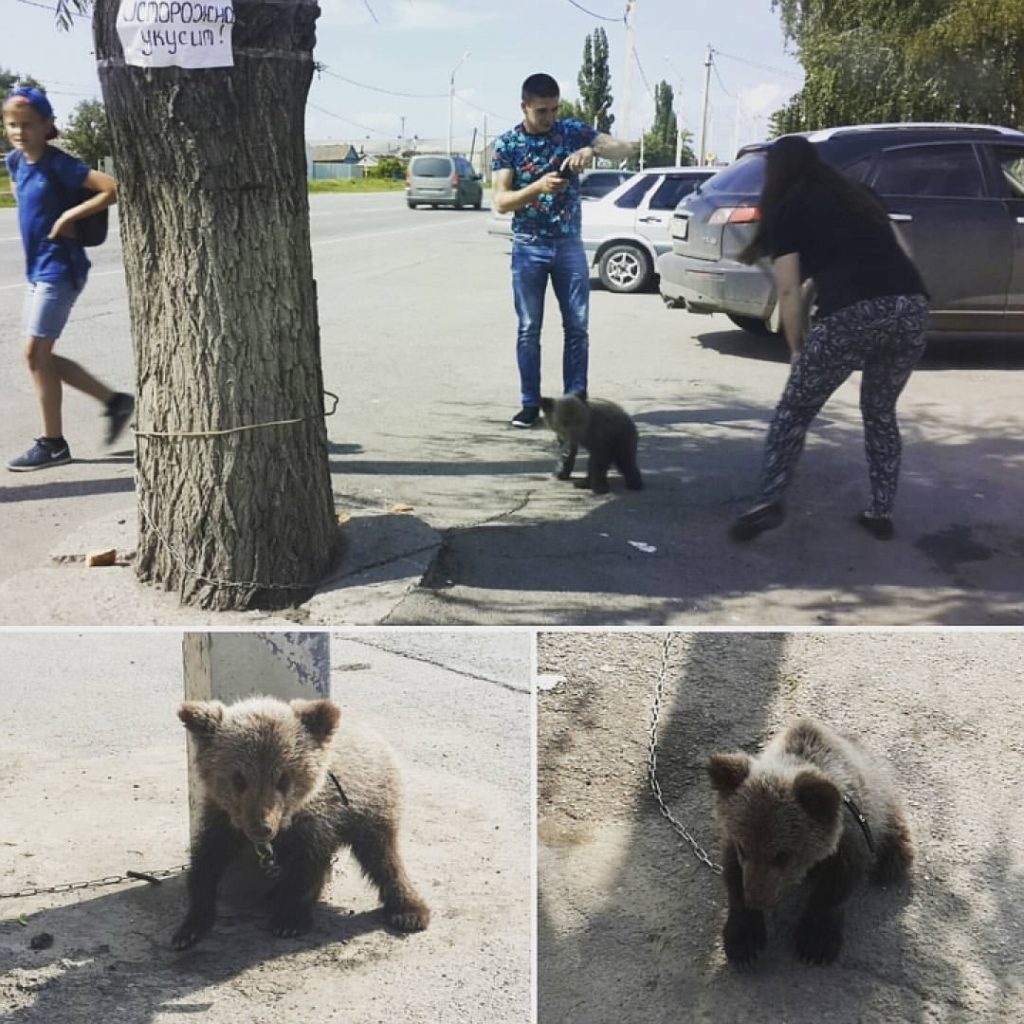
(604, 429)
(291, 783)
(814, 806)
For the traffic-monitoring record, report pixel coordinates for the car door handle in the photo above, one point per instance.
(650, 220)
(900, 218)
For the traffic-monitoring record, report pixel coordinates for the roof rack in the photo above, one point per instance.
(828, 133)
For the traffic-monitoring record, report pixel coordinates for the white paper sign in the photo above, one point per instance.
(181, 33)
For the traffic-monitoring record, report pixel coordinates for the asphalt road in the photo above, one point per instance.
(93, 783)
(418, 327)
(630, 921)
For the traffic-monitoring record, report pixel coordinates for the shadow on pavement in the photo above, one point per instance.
(112, 959)
(67, 489)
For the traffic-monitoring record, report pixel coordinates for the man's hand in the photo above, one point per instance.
(578, 161)
(550, 183)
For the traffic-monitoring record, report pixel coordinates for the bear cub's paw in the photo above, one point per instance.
(410, 916)
(819, 938)
(191, 930)
(743, 935)
(291, 919)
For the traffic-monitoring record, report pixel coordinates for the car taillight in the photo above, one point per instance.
(735, 215)
(455, 178)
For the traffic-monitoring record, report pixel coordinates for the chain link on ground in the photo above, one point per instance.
(153, 877)
(652, 762)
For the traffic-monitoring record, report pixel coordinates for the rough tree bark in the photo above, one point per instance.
(214, 220)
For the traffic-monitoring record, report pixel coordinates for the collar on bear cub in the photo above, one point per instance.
(860, 819)
(265, 851)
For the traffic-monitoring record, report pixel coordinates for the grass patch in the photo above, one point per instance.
(6, 199)
(356, 185)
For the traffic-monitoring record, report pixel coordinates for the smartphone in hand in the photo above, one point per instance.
(564, 172)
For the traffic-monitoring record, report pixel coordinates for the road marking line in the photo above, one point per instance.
(92, 274)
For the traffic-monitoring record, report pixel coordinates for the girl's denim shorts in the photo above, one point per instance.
(47, 308)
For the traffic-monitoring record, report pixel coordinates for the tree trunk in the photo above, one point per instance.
(235, 502)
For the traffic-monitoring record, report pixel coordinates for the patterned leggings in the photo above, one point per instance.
(885, 338)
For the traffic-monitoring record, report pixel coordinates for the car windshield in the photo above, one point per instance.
(745, 177)
(431, 167)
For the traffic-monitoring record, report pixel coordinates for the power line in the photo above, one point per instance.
(714, 67)
(389, 92)
(600, 17)
(51, 8)
(489, 113)
(643, 77)
(355, 124)
(370, 9)
(755, 64)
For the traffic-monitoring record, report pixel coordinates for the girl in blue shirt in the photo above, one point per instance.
(42, 177)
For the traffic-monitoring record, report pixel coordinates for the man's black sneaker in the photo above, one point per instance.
(526, 417)
(43, 453)
(119, 412)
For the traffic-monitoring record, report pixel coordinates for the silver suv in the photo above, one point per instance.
(955, 193)
(439, 180)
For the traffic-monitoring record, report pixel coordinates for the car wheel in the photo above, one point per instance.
(624, 268)
(751, 325)
(479, 202)
(458, 202)
(412, 205)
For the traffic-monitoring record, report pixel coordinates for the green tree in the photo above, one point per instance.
(233, 482)
(595, 82)
(660, 141)
(570, 109)
(87, 132)
(387, 167)
(869, 60)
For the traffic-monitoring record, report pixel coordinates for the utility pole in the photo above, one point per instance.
(484, 162)
(451, 97)
(701, 157)
(736, 128)
(627, 92)
(641, 148)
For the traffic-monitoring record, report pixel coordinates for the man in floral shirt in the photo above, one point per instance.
(546, 240)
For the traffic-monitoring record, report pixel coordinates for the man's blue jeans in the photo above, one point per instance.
(534, 260)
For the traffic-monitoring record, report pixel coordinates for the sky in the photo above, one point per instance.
(372, 49)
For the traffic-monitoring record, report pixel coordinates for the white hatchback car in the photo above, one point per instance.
(626, 230)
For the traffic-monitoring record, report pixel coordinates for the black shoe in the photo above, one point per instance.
(119, 412)
(45, 452)
(880, 527)
(526, 417)
(756, 520)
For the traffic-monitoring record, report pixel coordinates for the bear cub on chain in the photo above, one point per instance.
(291, 783)
(604, 429)
(812, 805)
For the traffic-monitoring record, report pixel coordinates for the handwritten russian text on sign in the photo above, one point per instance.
(185, 34)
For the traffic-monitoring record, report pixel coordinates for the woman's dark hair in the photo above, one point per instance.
(540, 86)
(791, 162)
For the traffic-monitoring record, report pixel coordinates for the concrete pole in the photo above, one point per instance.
(641, 148)
(627, 92)
(451, 97)
(230, 666)
(485, 172)
(701, 160)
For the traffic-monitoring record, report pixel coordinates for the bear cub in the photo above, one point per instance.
(290, 783)
(604, 429)
(793, 813)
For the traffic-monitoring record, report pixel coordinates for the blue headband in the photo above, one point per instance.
(36, 99)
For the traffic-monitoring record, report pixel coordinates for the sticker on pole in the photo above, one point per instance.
(176, 33)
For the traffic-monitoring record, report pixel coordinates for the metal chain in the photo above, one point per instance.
(153, 877)
(652, 763)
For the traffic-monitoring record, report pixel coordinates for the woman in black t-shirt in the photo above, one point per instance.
(872, 308)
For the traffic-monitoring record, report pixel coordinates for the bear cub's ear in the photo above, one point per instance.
(318, 717)
(728, 772)
(202, 717)
(818, 796)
